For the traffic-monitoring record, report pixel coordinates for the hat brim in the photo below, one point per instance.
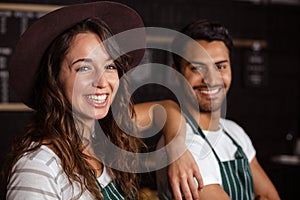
(26, 58)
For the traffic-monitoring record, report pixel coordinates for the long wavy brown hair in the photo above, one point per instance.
(54, 121)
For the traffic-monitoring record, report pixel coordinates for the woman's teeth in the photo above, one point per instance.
(98, 98)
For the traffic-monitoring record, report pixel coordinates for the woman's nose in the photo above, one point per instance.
(100, 81)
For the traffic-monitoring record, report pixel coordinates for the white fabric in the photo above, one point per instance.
(204, 157)
(105, 178)
(39, 176)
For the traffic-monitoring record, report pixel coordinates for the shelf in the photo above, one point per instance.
(12, 107)
(28, 7)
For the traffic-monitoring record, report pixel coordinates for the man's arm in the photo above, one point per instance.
(183, 169)
(263, 187)
(213, 192)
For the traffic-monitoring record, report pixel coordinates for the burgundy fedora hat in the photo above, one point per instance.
(26, 58)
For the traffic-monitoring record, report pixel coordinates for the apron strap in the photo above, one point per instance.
(197, 130)
(239, 153)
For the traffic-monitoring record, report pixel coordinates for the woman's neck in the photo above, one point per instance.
(86, 131)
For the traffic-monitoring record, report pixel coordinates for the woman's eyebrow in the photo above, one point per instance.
(82, 60)
(197, 63)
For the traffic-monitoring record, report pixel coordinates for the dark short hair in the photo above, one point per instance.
(201, 30)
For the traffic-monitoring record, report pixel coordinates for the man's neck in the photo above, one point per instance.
(206, 120)
(209, 121)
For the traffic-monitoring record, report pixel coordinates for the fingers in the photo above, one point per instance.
(175, 188)
(184, 186)
(193, 185)
(185, 178)
(198, 179)
(189, 189)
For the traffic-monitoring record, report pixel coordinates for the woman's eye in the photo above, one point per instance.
(83, 68)
(111, 67)
(198, 68)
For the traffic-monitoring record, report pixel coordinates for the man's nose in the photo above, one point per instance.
(212, 76)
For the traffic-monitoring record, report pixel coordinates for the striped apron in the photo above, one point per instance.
(236, 174)
(111, 191)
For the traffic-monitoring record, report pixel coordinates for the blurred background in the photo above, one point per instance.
(265, 93)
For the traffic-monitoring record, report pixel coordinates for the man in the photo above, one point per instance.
(222, 150)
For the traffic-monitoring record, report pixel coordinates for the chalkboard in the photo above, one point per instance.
(14, 20)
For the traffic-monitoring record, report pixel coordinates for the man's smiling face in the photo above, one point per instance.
(208, 73)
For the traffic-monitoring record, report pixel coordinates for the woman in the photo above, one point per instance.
(61, 69)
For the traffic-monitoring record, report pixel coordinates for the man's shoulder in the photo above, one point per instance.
(236, 131)
(231, 125)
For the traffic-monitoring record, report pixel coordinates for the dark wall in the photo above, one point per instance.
(268, 112)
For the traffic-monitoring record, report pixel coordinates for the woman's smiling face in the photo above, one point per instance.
(89, 76)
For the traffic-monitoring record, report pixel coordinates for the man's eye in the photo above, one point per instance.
(111, 67)
(221, 66)
(83, 68)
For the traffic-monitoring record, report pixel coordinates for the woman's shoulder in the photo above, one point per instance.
(39, 173)
(41, 159)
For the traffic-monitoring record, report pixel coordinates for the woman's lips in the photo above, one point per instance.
(97, 100)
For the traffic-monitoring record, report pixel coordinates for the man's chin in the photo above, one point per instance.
(210, 109)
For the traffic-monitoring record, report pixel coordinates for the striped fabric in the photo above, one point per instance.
(237, 178)
(39, 176)
(112, 192)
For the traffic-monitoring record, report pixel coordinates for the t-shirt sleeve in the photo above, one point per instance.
(32, 180)
(242, 138)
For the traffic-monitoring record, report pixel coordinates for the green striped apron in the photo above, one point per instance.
(111, 191)
(236, 174)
